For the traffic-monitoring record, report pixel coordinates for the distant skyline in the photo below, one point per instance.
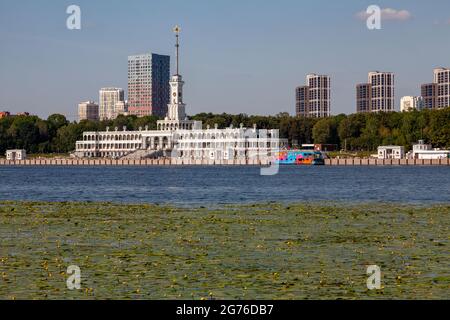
(236, 57)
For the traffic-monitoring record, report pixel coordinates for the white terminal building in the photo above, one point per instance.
(16, 154)
(178, 137)
(421, 150)
(391, 152)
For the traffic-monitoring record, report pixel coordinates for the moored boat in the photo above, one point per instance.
(300, 157)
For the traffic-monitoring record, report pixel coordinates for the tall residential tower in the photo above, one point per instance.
(108, 98)
(88, 111)
(148, 84)
(409, 103)
(314, 99)
(436, 95)
(378, 94)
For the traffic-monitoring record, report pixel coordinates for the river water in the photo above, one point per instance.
(194, 185)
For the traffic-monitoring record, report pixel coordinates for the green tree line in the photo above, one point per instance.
(355, 132)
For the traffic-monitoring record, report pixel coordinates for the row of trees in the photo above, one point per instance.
(56, 134)
(355, 132)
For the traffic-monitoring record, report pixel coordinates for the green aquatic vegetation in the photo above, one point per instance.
(257, 251)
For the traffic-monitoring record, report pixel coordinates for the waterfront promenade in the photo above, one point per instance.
(387, 162)
(127, 162)
(251, 162)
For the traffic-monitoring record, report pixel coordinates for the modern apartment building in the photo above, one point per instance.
(409, 103)
(363, 97)
(121, 108)
(88, 111)
(436, 95)
(301, 101)
(314, 99)
(108, 98)
(148, 84)
(378, 94)
(429, 94)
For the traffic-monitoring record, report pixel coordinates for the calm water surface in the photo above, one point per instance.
(218, 185)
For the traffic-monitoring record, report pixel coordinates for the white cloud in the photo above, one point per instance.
(388, 14)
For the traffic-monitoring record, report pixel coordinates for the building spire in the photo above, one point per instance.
(177, 30)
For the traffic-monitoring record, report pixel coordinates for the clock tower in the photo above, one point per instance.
(176, 107)
(176, 115)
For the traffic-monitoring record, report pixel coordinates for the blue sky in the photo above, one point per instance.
(236, 56)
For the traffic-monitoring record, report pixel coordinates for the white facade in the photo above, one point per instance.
(382, 91)
(442, 80)
(314, 99)
(195, 143)
(432, 154)
(176, 114)
(422, 150)
(226, 144)
(436, 95)
(409, 103)
(118, 144)
(18, 154)
(391, 152)
(108, 98)
(421, 146)
(121, 108)
(176, 109)
(180, 138)
(88, 111)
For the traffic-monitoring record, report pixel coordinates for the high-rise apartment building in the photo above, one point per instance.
(301, 101)
(429, 93)
(378, 94)
(409, 103)
(148, 84)
(121, 108)
(363, 97)
(442, 79)
(314, 99)
(436, 95)
(88, 111)
(108, 98)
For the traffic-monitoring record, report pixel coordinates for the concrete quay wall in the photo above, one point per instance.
(387, 162)
(181, 162)
(127, 162)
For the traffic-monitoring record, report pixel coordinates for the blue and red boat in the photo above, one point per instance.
(300, 157)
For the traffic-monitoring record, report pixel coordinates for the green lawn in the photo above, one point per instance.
(48, 155)
(348, 154)
(264, 251)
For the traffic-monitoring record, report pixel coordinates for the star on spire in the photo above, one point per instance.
(177, 30)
